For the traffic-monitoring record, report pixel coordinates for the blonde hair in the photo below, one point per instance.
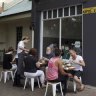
(25, 38)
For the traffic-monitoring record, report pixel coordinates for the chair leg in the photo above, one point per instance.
(38, 82)
(74, 84)
(15, 72)
(8, 76)
(1, 76)
(5, 76)
(12, 76)
(25, 82)
(61, 89)
(67, 83)
(54, 89)
(46, 90)
(32, 84)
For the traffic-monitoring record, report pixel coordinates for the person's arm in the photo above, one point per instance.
(81, 62)
(10, 58)
(24, 49)
(38, 64)
(61, 69)
(45, 58)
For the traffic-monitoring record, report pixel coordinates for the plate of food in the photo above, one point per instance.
(71, 68)
(68, 64)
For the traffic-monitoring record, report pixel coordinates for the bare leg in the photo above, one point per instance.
(79, 82)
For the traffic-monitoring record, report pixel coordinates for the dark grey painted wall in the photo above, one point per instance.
(89, 45)
(49, 4)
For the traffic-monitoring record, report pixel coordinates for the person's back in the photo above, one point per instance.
(30, 64)
(7, 61)
(55, 68)
(52, 71)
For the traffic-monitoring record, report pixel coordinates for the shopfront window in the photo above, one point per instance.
(54, 13)
(79, 9)
(51, 33)
(71, 30)
(45, 15)
(49, 14)
(61, 26)
(60, 12)
(72, 10)
(66, 11)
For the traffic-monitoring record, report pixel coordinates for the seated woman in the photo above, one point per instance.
(32, 65)
(77, 61)
(54, 67)
(7, 59)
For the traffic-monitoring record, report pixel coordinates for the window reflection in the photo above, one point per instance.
(66, 11)
(71, 30)
(50, 34)
(60, 12)
(54, 13)
(49, 14)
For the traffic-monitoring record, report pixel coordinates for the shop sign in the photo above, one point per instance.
(90, 10)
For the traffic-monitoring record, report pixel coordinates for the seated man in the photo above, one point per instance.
(31, 66)
(54, 67)
(77, 61)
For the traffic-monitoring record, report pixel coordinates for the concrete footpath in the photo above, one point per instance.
(8, 90)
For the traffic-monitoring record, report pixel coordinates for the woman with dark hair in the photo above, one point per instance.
(32, 65)
(7, 59)
(78, 62)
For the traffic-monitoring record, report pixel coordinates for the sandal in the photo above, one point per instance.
(82, 88)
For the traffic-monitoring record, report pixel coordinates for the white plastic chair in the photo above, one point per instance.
(5, 73)
(32, 82)
(74, 83)
(14, 69)
(53, 88)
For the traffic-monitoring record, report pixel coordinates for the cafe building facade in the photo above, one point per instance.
(63, 22)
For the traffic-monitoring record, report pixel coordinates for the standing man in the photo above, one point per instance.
(21, 52)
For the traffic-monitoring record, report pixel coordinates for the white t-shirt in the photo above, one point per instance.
(77, 66)
(20, 45)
